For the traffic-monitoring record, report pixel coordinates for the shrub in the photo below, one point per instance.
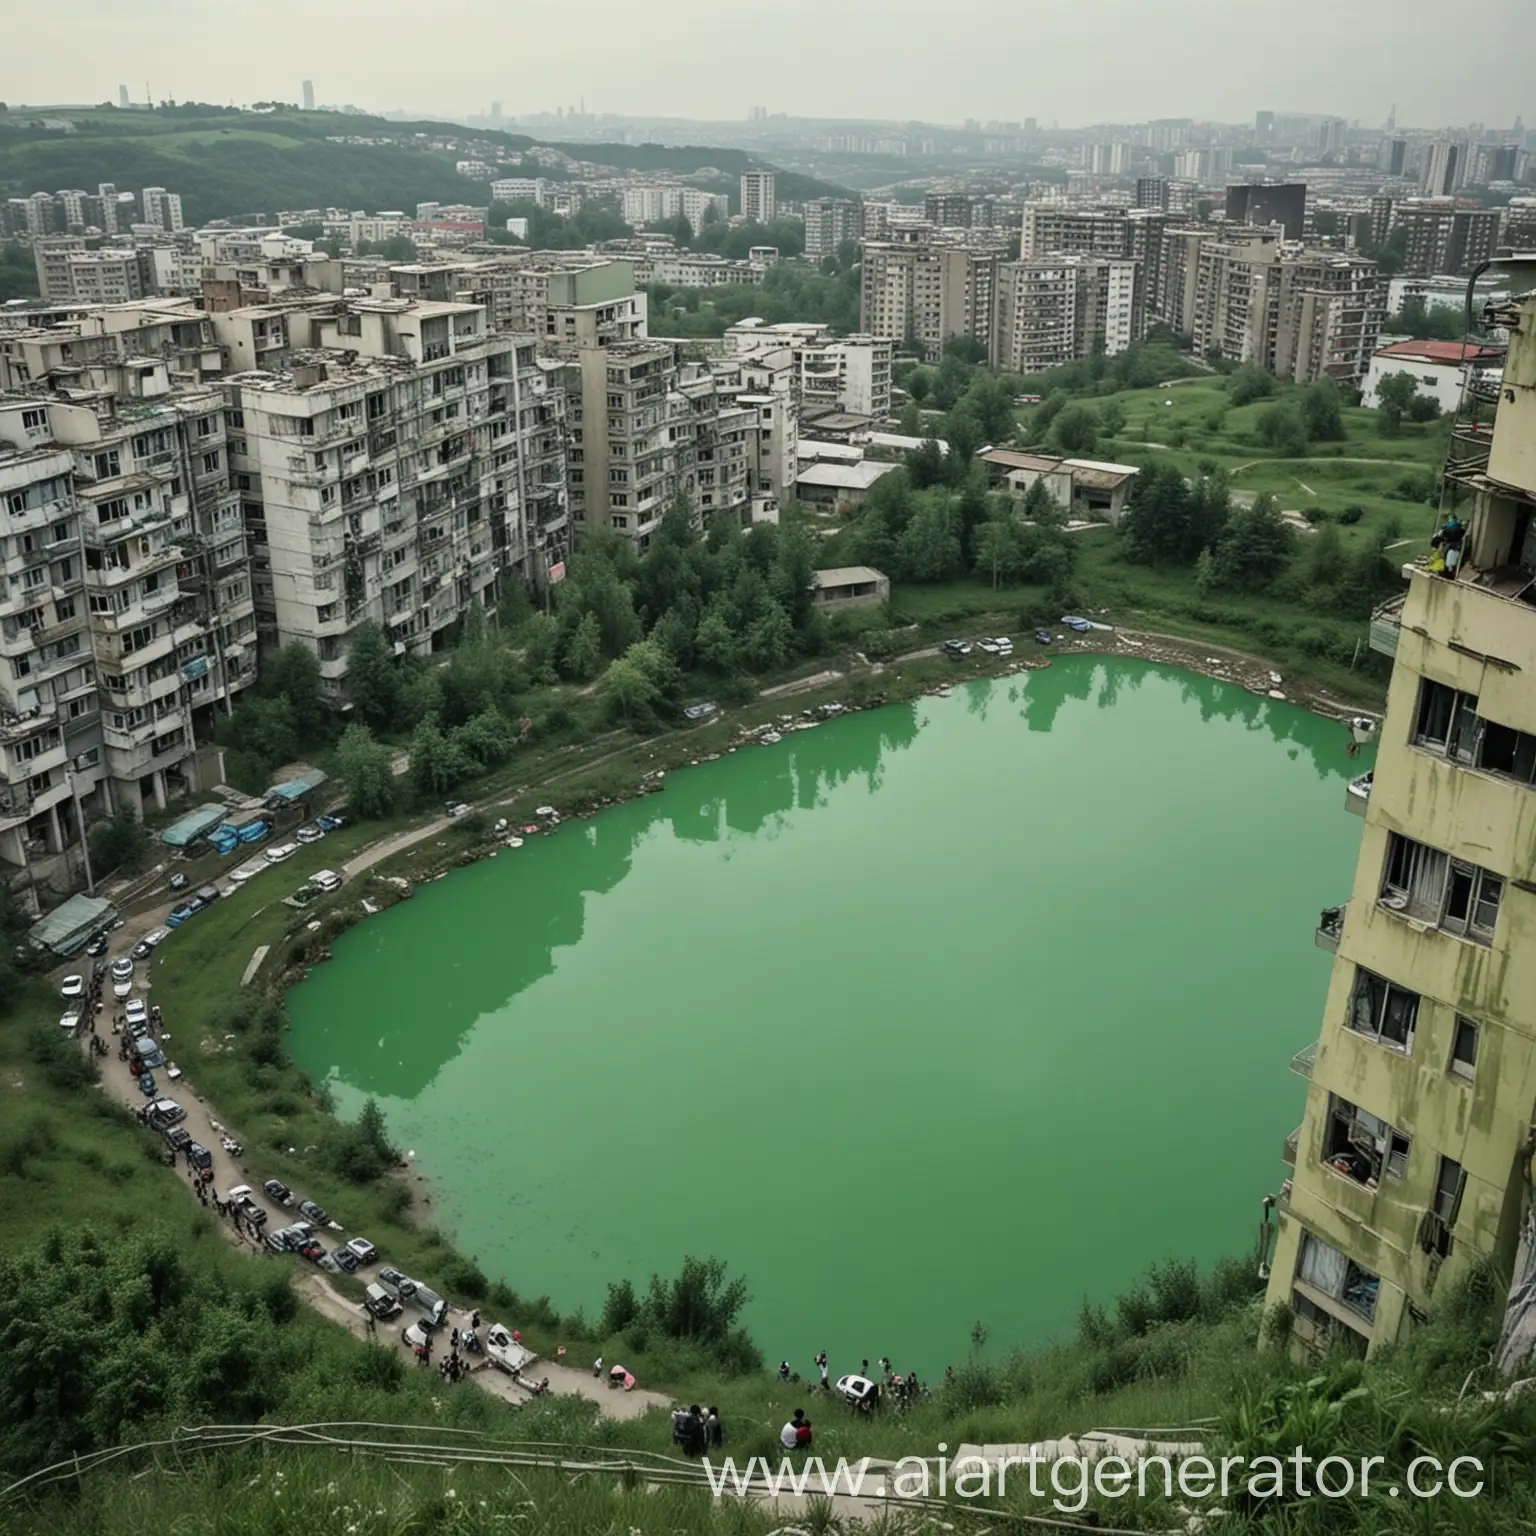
(1315, 515)
(1351, 515)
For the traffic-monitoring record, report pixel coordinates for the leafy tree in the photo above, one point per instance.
(1075, 431)
(1322, 413)
(584, 652)
(1423, 408)
(438, 762)
(1255, 547)
(1426, 322)
(1205, 572)
(770, 642)
(487, 739)
(541, 645)
(1157, 523)
(926, 465)
(919, 384)
(911, 419)
(1111, 418)
(1394, 396)
(294, 674)
(373, 678)
(1210, 506)
(365, 767)
(1000, 549)
(637, 683)
(1250, 383)
(121, 844)
(714, 643)
(929, 549)
(1282, 428)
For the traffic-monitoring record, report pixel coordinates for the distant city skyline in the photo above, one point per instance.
(1095, 61)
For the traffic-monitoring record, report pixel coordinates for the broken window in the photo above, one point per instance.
(1448, 893)
(1322, 1331)
(1383, 1011)
(1337, 1276)
(1362, 1147)
(1464, 1050)
(1448, 723)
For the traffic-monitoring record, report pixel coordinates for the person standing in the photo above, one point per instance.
(821, 1365)
(714, 1434)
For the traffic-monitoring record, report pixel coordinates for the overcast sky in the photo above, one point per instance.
(1084, 61)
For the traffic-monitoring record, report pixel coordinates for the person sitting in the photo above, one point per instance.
(803, 1434)
(789, 1436)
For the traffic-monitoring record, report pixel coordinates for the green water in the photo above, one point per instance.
(958, 1010)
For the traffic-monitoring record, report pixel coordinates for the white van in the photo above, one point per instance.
(326, 880)
(433, 1305)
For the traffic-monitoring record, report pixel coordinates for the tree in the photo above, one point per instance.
(1255, 547)
(926, 465)
(1000, 553)
(771, 640)
(1281, 428)
(373, 678)
(911, 419)
(1394, 396)
(365, 767)
(438, 762)
(929, 549)
(584, 651)
(1205, 572)
(1111, 418)
(1075, 431)
(1322, 413)
(637, 683)
(1157, 521)
(1423, 408)
(294, 674)
(119, 845)
(1250, 383)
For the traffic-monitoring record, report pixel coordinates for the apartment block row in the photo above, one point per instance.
(106, 210)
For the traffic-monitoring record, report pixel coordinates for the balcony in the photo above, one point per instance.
(1467, 457)
(1329, 926)
(1358, 793)
(1386, 625)
(1304, 1060)
(1290, 1147)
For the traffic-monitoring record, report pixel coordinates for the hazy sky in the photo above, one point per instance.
(1080, 62)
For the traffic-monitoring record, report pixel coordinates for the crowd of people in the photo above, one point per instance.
(697, 1430)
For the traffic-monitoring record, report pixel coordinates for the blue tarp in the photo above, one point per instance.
(296, 789)
(194, 825)
(253, 832)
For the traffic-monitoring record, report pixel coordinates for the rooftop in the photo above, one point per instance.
(1443, 351)
(844, 477)
(846, 576)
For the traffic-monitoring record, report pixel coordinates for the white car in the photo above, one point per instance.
(122, 968)
(326, 880)
(70, 1022)
(365, 1251)
(991, 647)
(280, 852)
(458, 808)
(122, 988)
(418, 1334)
(137, 1012)
(72, 986)
(310, 833)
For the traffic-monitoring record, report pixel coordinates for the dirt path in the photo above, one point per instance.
(204, 1126)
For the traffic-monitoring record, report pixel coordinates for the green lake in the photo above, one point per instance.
(957, 1010)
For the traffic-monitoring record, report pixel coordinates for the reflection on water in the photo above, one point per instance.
(937, 969)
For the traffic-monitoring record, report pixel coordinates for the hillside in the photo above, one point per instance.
(228, 163)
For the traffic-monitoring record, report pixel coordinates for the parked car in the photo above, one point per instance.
(280, 851)
(276, 1190)
(458, 808)
(178, 882)
(137, 1012)
(208, 894)
(166, 1112)
(701, 711)
(150, 1054)
(955, 649)
(72, 986)
(342, 1259)
(401, 1287)
(275, 1242)
(311, 1250)
(365, 1251)
(330, 823)
(310, 833)
(378, 1302)
(122, 968)
(417, 1334)
(1073, 622)
(97, 946)
(123, 988)
(315, 1213)
(147, 1084)
(178, 1138)
(69, 1020)
(240, 1198)
(199, 1155)
(988, 645)
(1042, 637)
(433, 1305)
(179, 915)
(325, 881)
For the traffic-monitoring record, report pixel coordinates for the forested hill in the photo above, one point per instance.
(228, 163)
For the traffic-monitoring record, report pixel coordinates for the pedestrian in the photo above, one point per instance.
(454, 1338)
(783, 1370)
(821, 1365)
(714, 1433)
(474, 1318)
(597, 1366)
(864, 1368)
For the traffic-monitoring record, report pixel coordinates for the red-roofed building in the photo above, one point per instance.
(1437, 367)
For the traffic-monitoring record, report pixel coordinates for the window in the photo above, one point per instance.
(1337, 1276)
(1434, 888)
(1464, 1050)
(1361, 1147)
(1448, 723)
(210, 463)
(1450, 1184)
(1322, 1330)
(205, 426)
(106, 465)
(327, 495)
(1383, 1011)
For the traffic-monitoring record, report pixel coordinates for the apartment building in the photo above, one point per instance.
(919, 293)
(1172, 298)
(653, 205)
(758, 202)
(1233, 299)
(948, 210)
(830, 223)
(1056, 309)
(1443, 236)
(1267, 203)
(1445, 168)
(1072, 229)
(396, 456)
(1412, 1162)
(850, 374)
(1330, 311)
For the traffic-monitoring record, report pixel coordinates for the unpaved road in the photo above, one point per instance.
(204, 1126)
